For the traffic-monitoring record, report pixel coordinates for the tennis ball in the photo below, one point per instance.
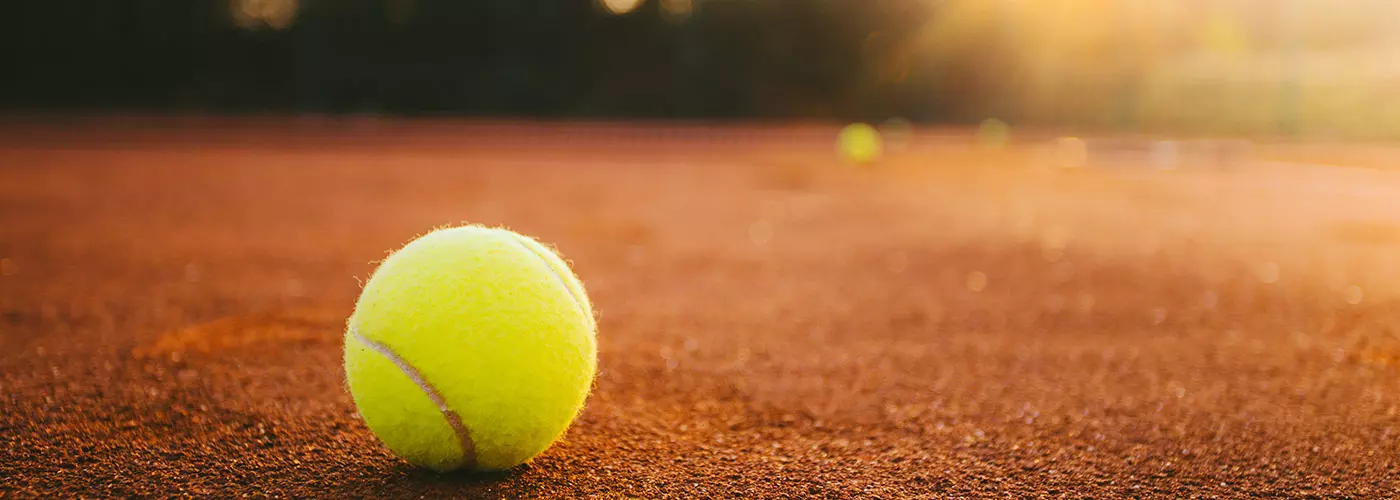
(859, 143)
(993, 133)
(471, 348)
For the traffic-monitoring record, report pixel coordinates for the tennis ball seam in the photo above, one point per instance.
(468, 460)
(557, 277)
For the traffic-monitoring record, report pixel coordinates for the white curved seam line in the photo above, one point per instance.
(453, 420)
(577, 302)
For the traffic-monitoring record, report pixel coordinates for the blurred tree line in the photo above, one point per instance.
(775, 58)
(1197, 66)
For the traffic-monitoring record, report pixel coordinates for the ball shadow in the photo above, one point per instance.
(426, 476)
(514, 482)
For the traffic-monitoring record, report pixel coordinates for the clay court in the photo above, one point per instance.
(952, 322)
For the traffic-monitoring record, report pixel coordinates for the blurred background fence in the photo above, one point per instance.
(1210, 67)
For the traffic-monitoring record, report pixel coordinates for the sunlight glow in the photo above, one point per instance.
(1222, 66)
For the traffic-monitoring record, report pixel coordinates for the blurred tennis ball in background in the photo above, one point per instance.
(859, 143)
(993, 133)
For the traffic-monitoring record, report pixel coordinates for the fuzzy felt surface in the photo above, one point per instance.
(494, 323)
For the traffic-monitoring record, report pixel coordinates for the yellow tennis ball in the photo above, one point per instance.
(859, 143)
(993, 133)
(471, 348)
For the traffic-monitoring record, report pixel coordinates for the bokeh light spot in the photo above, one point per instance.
(677, 9)
(1086, 303)
(1223, 35)
(619, 7)
(976, 281)
(1210, 299)
(256, 14)
(1157, 315)
(1164, 155)
(1267, 272)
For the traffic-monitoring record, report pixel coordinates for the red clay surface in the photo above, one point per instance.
(950, 323)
